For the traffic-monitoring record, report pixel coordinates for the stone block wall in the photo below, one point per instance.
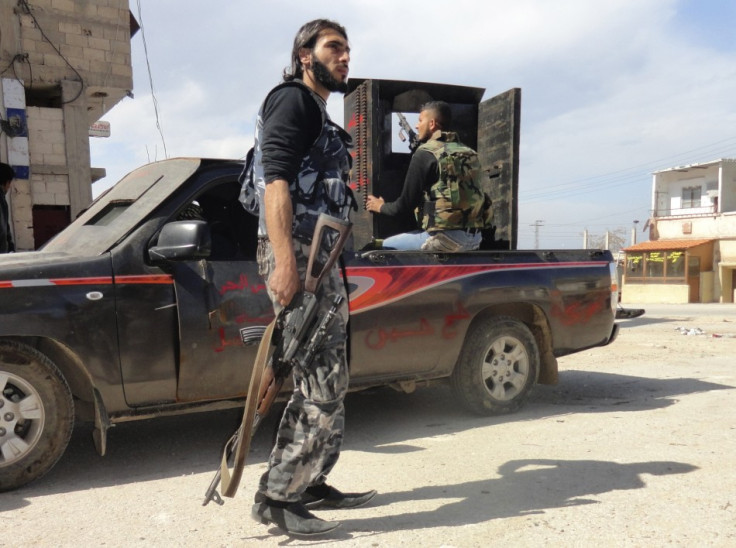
(92, 36)
(72, 61)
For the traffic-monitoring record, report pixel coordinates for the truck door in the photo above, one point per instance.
(216, 297)
(498, 149)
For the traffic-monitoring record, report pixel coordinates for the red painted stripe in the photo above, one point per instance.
(82, 281)
(162, 279)
(391, 283)
(145, 279)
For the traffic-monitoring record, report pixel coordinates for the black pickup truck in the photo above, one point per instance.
(134, 311)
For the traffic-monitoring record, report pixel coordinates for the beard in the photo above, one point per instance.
(322, 75)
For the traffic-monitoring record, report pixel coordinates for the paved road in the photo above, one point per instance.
(634, 447)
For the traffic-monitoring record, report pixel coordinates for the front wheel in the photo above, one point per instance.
(497, 368)
(36, 415)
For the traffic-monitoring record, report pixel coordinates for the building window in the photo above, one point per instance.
(656, 266)
(634, 265)
(676, 264)
(690, 197)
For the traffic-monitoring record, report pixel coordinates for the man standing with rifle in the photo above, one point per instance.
(301, 169)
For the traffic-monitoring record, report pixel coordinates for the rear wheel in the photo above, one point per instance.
(36, 415)
(497, 368)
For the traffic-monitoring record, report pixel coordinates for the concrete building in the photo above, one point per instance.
(64, 64)
(691, 255)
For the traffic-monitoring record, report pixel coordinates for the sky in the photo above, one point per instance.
(611, 91)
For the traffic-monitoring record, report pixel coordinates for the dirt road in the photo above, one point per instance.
(635, 446)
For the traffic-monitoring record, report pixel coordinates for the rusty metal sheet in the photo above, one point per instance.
(498, 149)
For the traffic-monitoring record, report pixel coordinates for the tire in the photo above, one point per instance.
(497, 368)
(36, 415)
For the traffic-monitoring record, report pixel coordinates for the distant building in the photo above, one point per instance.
(691, 255)
(64, 64)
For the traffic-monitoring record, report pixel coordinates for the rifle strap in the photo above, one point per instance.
(240, 440)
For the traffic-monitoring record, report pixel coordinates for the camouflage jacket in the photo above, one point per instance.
(456, 200)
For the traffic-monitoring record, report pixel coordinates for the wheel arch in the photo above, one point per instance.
(71, 367)
(536, 320)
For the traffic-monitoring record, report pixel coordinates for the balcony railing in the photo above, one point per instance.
(707, 211)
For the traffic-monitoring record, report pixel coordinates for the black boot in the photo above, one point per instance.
(324, 496)
(291, 517)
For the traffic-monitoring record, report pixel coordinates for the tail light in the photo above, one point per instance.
(612, 267)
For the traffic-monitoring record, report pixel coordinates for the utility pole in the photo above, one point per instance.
(633, 233)
(537, 224)
(585, 239)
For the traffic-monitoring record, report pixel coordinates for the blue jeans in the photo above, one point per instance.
(406, 241)
(442, 241)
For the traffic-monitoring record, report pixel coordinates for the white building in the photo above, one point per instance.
(691, 255)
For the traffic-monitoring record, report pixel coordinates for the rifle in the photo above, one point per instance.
(406, 127)
(296, 335)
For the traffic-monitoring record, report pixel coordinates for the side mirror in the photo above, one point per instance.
(182, 241)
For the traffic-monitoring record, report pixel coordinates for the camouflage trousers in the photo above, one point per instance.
(310, 433)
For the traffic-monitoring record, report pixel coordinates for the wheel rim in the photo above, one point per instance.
(21, 418)
(505, 369)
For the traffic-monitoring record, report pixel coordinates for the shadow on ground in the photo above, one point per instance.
(516, 493)
(378, 420)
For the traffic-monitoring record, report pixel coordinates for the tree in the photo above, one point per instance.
(617, 239)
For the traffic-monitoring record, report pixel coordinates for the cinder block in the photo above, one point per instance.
(117, 56)
(88, 9)
(56, 188)
(37, 147)
(119, 34)
(99, 67)
(29, 28)
(70, 28)
(62, 199)
(108, 13)
(45, 48)
(72, 51)
(77, 40)
(63, 5)
(54, 114)
(99, 43)
(29, 45)
(44, 199)
(122, 70)
(36, 59)
(54, 160)
(38, 188)
(91, 54)
(52, 59)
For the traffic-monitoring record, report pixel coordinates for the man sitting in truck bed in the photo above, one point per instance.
(442, 184)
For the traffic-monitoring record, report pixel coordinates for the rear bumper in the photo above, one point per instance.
(614, 334)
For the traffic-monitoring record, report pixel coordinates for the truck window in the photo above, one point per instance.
(234, 231)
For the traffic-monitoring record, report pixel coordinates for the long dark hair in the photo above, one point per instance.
(307, 38)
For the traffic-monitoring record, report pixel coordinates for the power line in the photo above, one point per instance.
(150, 78)
(633, 174)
